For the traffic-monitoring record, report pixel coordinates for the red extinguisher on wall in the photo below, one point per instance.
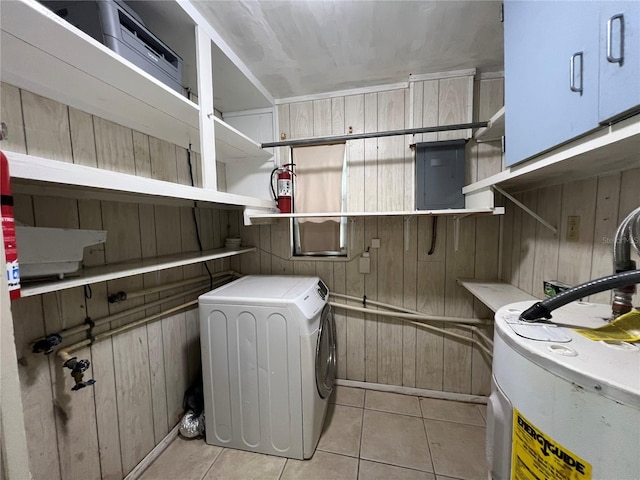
(284, 195)
(9, 230)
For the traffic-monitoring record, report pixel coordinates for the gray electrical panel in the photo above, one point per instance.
(440, 175)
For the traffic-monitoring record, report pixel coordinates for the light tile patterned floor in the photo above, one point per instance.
(367, 435)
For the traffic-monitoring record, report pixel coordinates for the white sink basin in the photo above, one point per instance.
(53, 251)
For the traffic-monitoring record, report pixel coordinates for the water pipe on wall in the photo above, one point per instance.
(78, 367)
(418, 319)
(406, 313)
(122, 296)
(46, 344)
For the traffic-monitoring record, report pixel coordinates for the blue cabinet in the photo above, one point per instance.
(551, 74)
(569, 67)
(619, 59)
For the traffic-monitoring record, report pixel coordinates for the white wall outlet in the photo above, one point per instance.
(375, 243)
(364, 263)
(573, 229)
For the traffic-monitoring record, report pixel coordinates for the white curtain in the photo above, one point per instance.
(317, 189)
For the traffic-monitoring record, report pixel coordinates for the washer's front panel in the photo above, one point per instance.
(252, 379)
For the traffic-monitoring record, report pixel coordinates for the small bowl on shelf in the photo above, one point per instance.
(233, 243)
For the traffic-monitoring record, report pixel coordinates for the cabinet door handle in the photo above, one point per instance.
(572, 73)
(610, 57)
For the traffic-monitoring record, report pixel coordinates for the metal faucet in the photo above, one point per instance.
(627, 235)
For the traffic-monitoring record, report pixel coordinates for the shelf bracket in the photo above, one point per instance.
(352, 233)
(456, 230)
(527, 210)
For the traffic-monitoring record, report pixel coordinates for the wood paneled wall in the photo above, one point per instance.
(141, 375)
(486, 158)
(533, 254)
(104, 431)
(381, 178)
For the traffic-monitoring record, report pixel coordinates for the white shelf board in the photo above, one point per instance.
(408, 213)
(45, 54)
(233, 145)
(494, 130)
(607, 150)
(41, 176)
(104, 273)
(494, 293)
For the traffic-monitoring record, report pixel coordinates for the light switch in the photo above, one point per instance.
(375, 243)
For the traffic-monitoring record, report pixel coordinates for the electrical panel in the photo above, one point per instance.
(440, 175)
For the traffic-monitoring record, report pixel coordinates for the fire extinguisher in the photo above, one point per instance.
(9, 230)
(284, 195)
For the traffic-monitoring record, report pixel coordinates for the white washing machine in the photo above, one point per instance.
(562, 406)
(268, 363)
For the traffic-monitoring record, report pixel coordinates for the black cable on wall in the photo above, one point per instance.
(195, 217)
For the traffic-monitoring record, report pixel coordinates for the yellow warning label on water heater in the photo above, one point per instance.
(536, 456)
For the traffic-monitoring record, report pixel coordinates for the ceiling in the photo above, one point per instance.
(301, 47)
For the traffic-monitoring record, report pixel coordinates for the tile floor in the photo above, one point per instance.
(367, 435)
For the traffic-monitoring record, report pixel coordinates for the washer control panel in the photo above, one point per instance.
(323, 291)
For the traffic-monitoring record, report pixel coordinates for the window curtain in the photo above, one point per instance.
(318, 188)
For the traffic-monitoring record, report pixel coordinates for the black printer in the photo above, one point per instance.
(114, 24)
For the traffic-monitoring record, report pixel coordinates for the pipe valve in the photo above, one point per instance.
(78, 367)
(46, 344)
(117, 297)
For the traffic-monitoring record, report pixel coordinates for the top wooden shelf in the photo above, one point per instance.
(494, 131)
(48, 56)
(607, 150)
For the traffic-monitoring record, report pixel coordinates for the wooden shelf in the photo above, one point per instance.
(494, 131)
(48, 56)
(104, 273)
(41, 176)
(607, 150)
(494, 293)
(233, 145)
(45, 54)
(409, 213)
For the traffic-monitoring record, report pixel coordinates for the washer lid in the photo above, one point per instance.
(609, 369)
(261, 290)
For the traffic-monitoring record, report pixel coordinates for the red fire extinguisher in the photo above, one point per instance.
(9, 229)
(284, 195)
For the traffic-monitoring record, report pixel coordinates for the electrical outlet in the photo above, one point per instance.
(573, 229)
(375, 243)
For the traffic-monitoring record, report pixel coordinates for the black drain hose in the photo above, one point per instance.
(543, 309)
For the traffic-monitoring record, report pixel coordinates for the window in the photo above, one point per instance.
(319, 186)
